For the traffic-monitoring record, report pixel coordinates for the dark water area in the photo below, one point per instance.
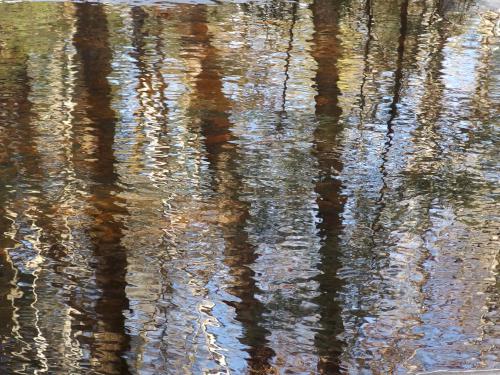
(271, 187)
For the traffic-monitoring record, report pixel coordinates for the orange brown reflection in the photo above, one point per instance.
(326, 51)
(212, 109)
(94, 158)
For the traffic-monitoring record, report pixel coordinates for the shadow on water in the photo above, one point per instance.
(109, 341)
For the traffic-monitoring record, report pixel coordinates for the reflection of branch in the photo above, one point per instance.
(366, 58)
(288, 57)
(393, 110)
(398, 76)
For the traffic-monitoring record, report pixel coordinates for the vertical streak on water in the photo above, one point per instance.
(326, 51)
(8, 272)
(224, 155)
(24, 256)
(288, 57)
(147, 317)
(366, 60)
(106, 228)
(393, 110)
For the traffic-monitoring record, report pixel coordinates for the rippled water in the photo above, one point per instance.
(268, 187)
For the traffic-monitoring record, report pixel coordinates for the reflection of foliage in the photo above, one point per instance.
(17, 34)
(275, 10)
(454, 9)
(458, 187)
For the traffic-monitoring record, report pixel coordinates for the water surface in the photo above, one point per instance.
(299, 187)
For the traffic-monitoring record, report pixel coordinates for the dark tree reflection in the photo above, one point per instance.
(213, 111)
(110, 341)
(326, 51)
(19, 162)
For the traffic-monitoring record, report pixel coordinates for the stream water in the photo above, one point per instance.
(270, 187)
